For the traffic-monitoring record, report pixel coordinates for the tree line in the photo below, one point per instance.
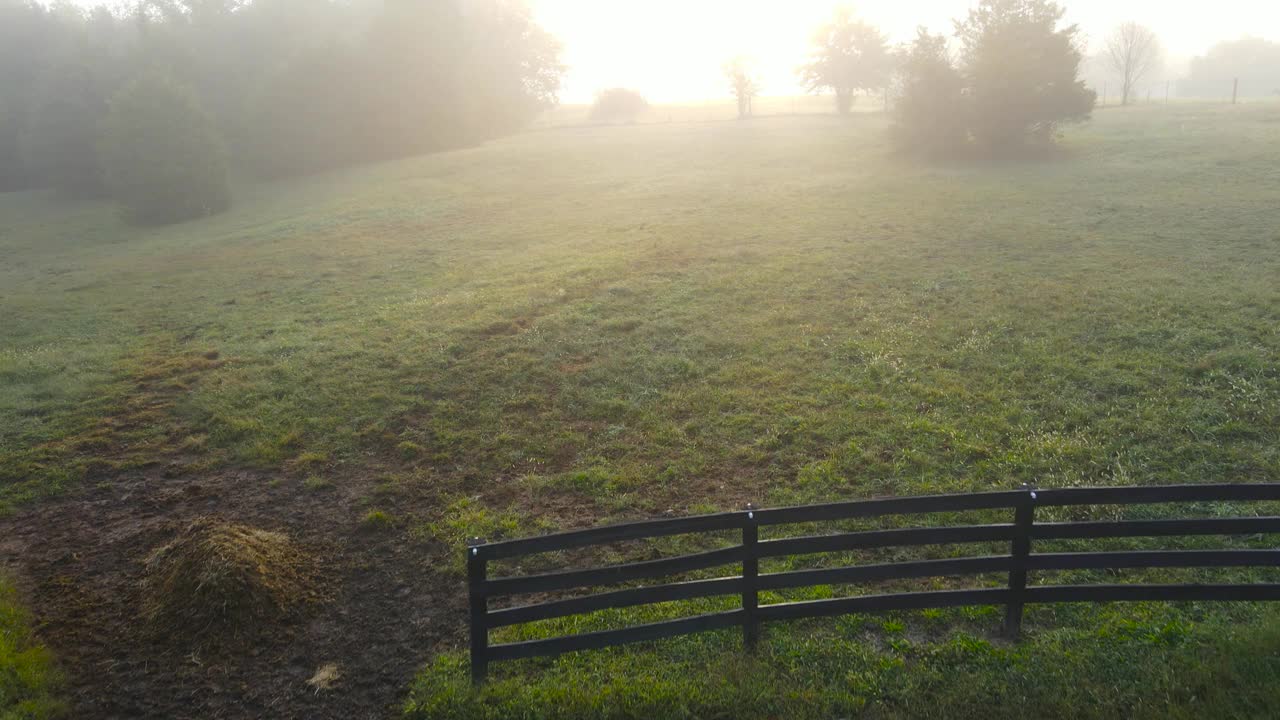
(851, 57)
(1009, 76)
(1013, 84)
(154, 105)
(1254, 62)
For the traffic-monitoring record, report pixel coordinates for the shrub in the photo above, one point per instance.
(618, 105)
(163, 159)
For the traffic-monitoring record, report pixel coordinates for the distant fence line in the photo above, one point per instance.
(577, 115)
(1017, 563)
(1163, 93)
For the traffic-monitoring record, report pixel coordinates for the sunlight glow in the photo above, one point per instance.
(672, 50)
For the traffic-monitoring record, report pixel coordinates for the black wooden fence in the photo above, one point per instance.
(1020, 533)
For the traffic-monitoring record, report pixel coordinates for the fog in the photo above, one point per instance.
(336, 333)
(672, 49)
(231, 81)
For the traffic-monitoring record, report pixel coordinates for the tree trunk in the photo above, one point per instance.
(844, 101)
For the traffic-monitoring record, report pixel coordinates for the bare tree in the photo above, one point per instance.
(745, 84)
(1134, 52)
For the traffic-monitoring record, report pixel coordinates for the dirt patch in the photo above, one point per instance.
(82, 563)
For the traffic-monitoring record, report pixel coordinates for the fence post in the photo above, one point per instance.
(750, 576)
(1235, 91)
(1024, 519)
(477, 571)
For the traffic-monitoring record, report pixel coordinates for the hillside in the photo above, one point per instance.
(580, 325)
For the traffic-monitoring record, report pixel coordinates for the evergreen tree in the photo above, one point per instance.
(163, 158)
(1022, 72)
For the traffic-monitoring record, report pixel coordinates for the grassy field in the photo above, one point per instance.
(580, 325)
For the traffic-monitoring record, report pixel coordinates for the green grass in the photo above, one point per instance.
(1148, 663)
(776, 310)
(28, 681)
(574, 326)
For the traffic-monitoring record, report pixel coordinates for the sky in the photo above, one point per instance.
(672, 50)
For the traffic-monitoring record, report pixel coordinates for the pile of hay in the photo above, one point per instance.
(219, 581)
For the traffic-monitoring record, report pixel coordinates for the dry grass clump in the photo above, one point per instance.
(218, 581)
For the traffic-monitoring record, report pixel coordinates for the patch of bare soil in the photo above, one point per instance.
(376, 608)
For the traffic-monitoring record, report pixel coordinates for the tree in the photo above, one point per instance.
(929, 118)
(1022, 73)
(58, 65)
(28, 36)
(512, 69)
(618, 105)
(13, 170)
(320, 84)
(412, 94)
(60, 144)
(416, 77)
(848, 55)
(293, 85)
(1254, 61)
(744, 83)
(163, 159)
(1134, 52)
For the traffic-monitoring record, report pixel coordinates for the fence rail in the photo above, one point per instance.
(1020, 534)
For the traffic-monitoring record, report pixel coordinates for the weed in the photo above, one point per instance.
(377, 520)
(317, 483)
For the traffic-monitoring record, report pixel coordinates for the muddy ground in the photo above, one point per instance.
(78, 560)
